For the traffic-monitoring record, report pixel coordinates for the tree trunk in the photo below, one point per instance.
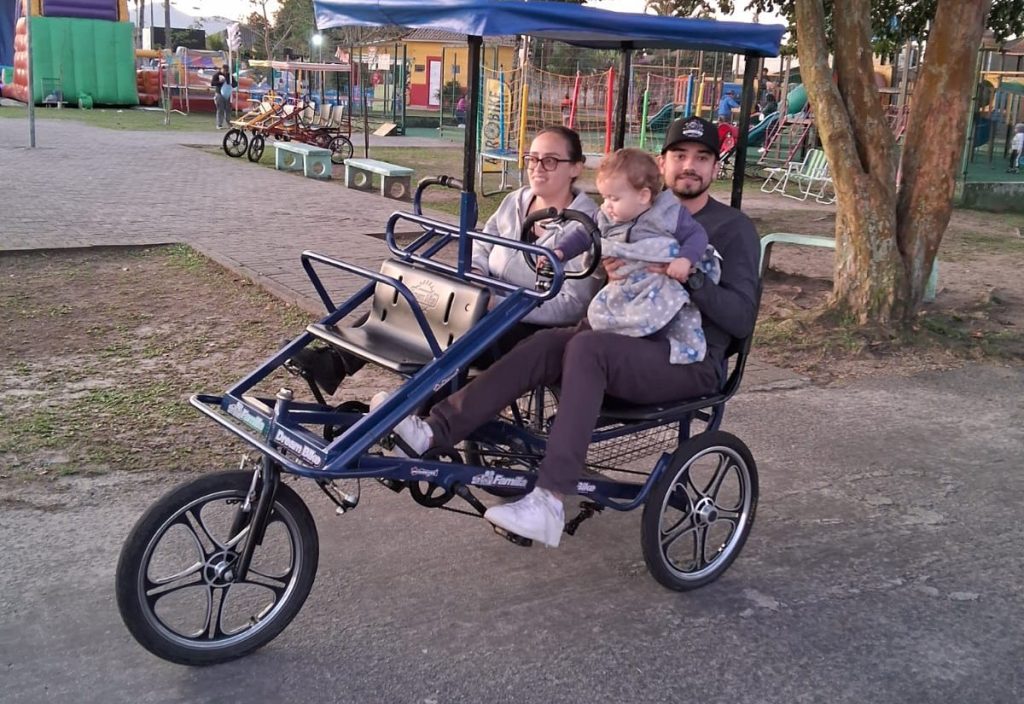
(935, 138)
(886, 239)
(848, 115)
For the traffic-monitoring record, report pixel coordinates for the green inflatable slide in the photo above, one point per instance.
(77, 57)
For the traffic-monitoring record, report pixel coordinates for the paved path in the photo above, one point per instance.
(84, 186)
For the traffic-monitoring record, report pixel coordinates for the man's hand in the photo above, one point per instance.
(611, 265)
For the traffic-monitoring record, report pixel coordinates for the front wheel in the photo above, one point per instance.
(700, 511)
(176, 587)
(235, 142)
(256, 146)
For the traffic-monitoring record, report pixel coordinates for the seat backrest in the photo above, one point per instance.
(814, 163)
(337, 115)
(450, 305)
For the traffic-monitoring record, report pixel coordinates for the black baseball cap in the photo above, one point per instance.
(692, 129)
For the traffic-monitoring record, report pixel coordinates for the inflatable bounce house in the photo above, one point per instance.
(82, 53)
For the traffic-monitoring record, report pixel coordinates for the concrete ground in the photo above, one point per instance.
(884, 564)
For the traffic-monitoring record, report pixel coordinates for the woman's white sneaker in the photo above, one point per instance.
(539, 515)
(413, 430)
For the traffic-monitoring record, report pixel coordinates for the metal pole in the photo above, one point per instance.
(169, 49)
(31, 77)
(622, 99)
(467, 198)
(747, 104)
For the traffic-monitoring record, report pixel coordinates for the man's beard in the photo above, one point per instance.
(691, 191)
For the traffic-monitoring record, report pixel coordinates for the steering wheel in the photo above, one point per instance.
(566, 215)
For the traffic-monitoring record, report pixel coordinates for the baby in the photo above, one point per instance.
(643, 225)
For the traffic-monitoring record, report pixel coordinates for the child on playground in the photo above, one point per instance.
(643, 225)
(1016, 148)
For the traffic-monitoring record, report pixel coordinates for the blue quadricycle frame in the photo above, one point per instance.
(698, 490)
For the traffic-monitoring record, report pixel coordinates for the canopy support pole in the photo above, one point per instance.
(746, 105)
(622, 99)
(467, 203)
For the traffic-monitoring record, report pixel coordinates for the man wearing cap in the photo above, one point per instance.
(589, 364)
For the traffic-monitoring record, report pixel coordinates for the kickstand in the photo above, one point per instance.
(587, 509)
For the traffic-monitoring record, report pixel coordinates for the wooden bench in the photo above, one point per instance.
(829, 242)
(314, 162)
(395, 181)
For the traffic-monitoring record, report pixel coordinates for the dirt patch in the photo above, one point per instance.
(103, 347)
(978, 312)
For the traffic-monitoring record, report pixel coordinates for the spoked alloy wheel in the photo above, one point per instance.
(235, 142)
(176, 584)
(700, 511)
(256, 146)
(341, 149)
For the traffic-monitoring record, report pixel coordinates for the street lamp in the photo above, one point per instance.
(318, 42)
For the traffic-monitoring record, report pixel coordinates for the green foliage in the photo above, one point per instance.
(216, 42)
(686, 8)
(894, 22)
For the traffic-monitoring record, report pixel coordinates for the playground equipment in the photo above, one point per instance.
(80, 48)
(248, 533)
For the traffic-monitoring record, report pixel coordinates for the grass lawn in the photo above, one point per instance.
(117, 118)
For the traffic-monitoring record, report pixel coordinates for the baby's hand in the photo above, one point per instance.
(560, 254)
(679, 269)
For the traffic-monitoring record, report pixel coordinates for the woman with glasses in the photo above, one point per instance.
(553, 164)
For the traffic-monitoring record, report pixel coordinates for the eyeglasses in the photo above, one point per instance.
(546, 163)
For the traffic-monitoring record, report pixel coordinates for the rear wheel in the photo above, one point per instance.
(176, 585)
(341, 149)
(235, 142)
(700, 511)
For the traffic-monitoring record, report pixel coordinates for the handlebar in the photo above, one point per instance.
(571, 215)
(444, 181)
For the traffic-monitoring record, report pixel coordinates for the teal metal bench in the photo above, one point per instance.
(395, 181)
(829, 243)
(314, 162)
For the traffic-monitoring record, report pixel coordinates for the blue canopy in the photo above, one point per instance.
(566, 22)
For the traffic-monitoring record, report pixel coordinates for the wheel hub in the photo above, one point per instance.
(705, 512)
(219, 570)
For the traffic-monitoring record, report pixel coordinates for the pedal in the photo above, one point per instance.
(393, 484)
(513, 538)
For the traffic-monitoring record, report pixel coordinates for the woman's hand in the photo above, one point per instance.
(611, 265)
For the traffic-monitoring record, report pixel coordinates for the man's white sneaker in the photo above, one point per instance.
(539, 515)
(413, 429)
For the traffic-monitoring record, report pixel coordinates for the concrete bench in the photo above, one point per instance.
(829, 243)
(314, 162)
(395, 181)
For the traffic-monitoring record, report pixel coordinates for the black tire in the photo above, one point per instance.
(256, 146)
(235, 142)
(179, 516)
(683, 508)
(341, 149)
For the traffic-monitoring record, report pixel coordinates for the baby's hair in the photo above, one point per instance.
(639, 168)
(1019, 127)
